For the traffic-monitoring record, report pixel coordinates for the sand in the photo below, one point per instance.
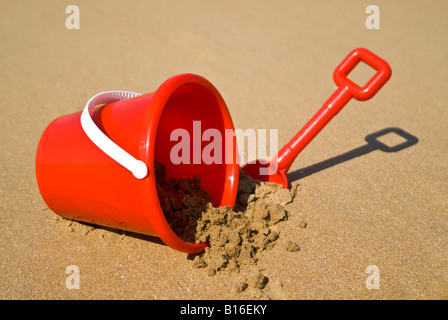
(273, 64)
(235, 236)
(183, 202)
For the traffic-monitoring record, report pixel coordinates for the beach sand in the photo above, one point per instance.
(273, 63)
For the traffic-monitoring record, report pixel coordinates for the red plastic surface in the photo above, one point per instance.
(79, 181)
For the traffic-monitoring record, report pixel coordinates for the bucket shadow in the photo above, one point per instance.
(372, 144)
(121, 232)
(143, 237)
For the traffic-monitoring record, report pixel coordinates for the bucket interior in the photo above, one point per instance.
(192, 105)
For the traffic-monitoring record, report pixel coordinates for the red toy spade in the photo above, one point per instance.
(275, 171)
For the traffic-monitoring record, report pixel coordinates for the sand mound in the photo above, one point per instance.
(235, 236)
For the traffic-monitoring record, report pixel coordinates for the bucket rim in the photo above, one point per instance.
(147, 154)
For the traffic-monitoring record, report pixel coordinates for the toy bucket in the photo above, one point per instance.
(97, 166)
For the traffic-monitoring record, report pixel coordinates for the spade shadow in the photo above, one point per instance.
(372, 144)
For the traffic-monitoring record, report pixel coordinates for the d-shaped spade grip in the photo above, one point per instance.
(137, 167)
(373, 85)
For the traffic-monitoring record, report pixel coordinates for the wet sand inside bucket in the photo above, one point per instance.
(235, 236)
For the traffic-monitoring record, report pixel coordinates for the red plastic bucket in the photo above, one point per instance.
(78, 180)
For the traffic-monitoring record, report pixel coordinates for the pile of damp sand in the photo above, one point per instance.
(235, 236)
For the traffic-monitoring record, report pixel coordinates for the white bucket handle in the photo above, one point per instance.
(137, 167)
